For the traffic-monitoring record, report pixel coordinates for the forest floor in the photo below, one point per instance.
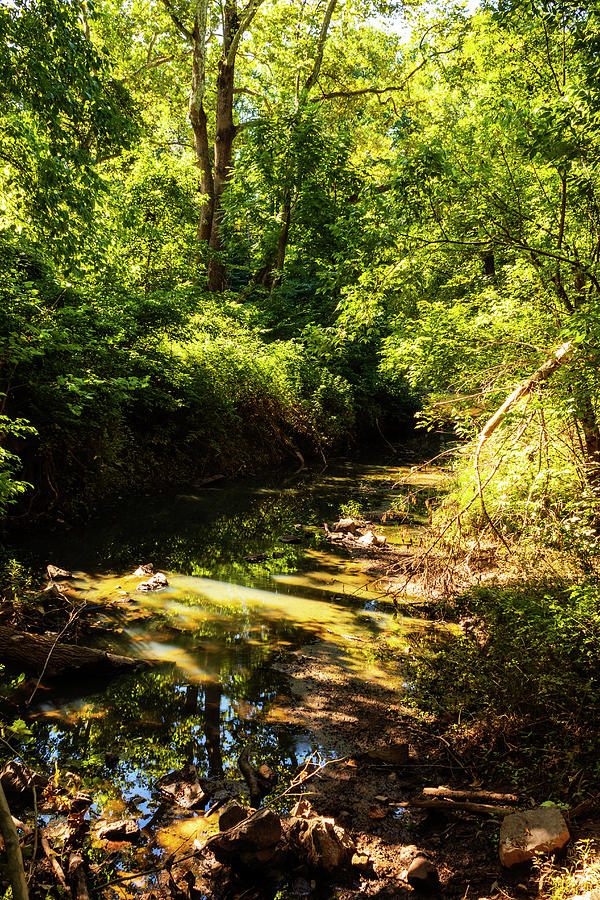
(369, 791)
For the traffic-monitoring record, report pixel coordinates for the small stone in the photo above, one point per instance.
(381, 798)
(525, 834)
(147, 569)
(422, 875)
(360, 861)
(376, 811)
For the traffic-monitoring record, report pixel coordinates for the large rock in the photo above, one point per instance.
(156, 583)
(19, 782)
(525, 834)
(251, 844)
(320, 843)
(183, 787)
(345, 526)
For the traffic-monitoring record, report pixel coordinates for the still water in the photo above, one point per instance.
(214, 635)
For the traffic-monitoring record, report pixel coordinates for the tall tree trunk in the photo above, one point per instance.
(198, 119)
(224, 137)
(199, 126)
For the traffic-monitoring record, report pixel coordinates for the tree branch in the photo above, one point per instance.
(312, 78)
(245, 22)
(558, 359)
(187, 34)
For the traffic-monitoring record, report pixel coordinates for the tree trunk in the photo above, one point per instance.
(224, 137)
(283, 238)
(33, 651)
(199, 127)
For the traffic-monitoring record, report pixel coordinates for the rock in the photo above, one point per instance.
(361, 861)
(256, 557)
(18, 782)
(57, 574)
(368, 539)
(146, 569)
(525, 834)
(80, 802)
(345, 526)
(320, 843)
(422, 875)
(67, 834)
(303, 810)
(156, 583)
(290, 539)
(253, 844)
(121, 830)
(232, 815)
(376, 811)
(183, 787)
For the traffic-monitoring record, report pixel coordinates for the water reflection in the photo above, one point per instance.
(213, 634)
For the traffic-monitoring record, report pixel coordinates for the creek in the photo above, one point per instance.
(215, 635)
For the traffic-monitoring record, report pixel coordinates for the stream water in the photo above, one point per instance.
(214, 635)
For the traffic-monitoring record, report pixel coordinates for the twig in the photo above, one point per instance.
(72, 618)
(56, 866)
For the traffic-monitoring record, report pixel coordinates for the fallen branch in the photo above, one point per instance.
(35, 652)
(461, 806)
(544, 372)
(470, 795)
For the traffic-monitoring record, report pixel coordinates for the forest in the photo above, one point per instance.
(265, 265)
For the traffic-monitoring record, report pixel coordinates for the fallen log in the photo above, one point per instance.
(37, 653)
(460, 806)
(453, 794)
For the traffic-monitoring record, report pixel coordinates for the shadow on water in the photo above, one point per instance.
(214, 633)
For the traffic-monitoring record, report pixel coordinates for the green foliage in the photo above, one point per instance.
(538, 650)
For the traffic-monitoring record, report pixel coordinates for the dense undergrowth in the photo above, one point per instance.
(519, 689)
(109, 389)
